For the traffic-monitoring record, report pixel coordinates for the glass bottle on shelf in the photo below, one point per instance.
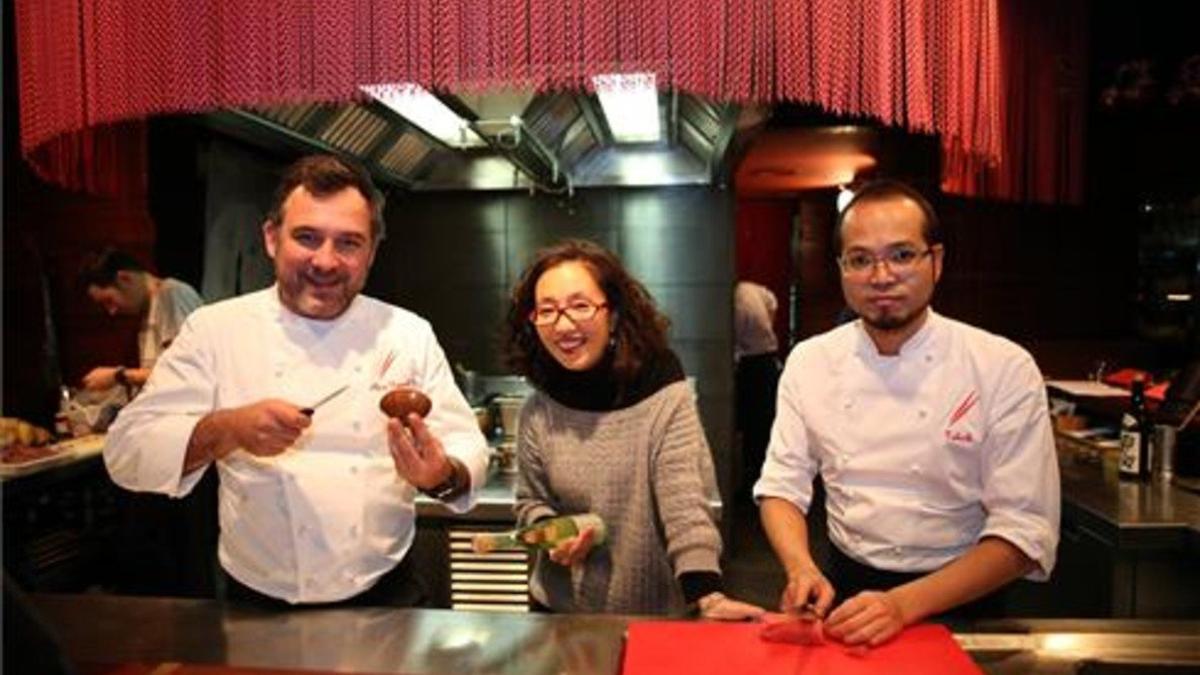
(62, 421)
(1136, 433)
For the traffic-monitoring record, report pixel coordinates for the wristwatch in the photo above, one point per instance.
(453, 486)
(120, 377)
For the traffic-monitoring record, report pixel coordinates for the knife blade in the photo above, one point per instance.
(312, 408)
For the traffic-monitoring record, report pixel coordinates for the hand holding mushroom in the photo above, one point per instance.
(419, 457)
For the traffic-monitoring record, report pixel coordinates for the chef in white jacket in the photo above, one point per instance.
(932, 438)
(316, 506)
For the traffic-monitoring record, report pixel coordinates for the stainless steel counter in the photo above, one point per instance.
(98, 629)
(1152, 515)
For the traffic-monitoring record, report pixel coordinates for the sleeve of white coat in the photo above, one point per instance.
(1020, 469)
(145, 446)
(788, 470)
(452, 421)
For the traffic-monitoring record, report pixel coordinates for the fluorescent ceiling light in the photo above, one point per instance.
(844, 196)
(630, 103)
(425, 110)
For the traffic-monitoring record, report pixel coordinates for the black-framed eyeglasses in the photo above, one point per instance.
(577, 311)
(899, 260)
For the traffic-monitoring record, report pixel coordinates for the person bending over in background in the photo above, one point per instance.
(119, 284)
(611, 429)
(932, 437)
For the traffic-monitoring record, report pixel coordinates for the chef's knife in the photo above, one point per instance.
(310, 409)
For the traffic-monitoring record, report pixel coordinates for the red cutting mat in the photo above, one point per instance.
(698, 648)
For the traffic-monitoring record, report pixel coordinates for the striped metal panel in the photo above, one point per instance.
(491, 582)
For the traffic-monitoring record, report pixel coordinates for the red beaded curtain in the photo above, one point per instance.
(1043, 50)
(929, 65)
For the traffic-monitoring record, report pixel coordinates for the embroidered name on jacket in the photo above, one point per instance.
(960, 411)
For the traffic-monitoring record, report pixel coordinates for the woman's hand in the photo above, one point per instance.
(717, 605)
(574, 550)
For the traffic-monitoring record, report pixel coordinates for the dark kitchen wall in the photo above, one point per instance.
(454, 257)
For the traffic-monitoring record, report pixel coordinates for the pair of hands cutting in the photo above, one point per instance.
(271, 426)
(868, 619)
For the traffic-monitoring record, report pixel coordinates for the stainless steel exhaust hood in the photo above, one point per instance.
(552, 142)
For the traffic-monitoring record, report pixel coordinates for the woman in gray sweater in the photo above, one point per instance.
(612, 430)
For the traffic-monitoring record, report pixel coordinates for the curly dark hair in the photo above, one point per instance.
(639, 330)
(326, 175)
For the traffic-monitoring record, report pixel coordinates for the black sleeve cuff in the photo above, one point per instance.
(696, 585)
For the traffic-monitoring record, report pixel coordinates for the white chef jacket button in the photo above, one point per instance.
(358, 369)
(278, 374)
(353, 470)
(929, 358)
(921, 414)
(847, 404)
(353, 530)
(356, 426)
(914, 468)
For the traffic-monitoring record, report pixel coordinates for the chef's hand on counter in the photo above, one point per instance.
(721, 607)
(100, 378)
(869, 618)
(574, 550)
(264, 428)
(807, 590)
(418, 455)
(106, 377)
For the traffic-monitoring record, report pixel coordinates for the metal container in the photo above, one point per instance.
(505, 455)
(1162, 450)
(508, 410)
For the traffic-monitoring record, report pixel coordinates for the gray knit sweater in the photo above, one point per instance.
(647, 471)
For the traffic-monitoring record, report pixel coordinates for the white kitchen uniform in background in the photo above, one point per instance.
(168, 309)
(922, 453)
(325, 519)
(754, 307)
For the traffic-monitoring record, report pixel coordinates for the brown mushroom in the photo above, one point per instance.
(401, 401)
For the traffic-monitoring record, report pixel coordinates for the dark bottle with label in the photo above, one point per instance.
(1135, 435)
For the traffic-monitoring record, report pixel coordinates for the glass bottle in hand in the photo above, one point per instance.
(544, 534)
